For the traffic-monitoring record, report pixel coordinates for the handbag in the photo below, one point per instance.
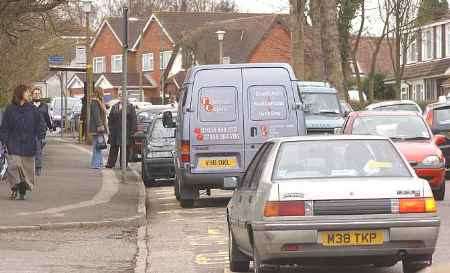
(101, 142)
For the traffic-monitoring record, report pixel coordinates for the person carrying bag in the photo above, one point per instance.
(98, 128)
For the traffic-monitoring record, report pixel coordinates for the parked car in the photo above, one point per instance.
(395, 105)
(412, 136)
(331, 199)
(158, 153)
(437, 115)
(226, 113)
(55, 109)
(144, 120)
(323, 112)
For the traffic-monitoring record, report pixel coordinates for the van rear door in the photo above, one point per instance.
(268, 107)
(216, 122)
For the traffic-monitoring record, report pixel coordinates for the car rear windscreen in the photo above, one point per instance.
(443, 116)
(338, 158)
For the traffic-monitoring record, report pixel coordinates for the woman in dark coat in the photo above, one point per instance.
(22, 127)
(115, 131)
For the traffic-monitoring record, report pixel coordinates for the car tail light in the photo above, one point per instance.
(417, 205)
(284, 208)
(429, 118)
(185, 151)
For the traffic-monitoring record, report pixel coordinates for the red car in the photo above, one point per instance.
(412, 136)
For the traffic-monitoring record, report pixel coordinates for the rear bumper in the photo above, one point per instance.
(415, 236)
(434, 176)
(204, 180)
(159, 167)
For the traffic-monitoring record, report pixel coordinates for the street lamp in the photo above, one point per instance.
(220, 35)
(87, 8)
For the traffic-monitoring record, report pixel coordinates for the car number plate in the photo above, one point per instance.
(217, 163)
(352, 238)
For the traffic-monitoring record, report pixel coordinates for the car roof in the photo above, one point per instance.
(438, 105)
(390, 102)
(384, 113)
(318, 89)
(329, 137)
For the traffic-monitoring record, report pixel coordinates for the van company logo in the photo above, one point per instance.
(217, 105)
(207, 104)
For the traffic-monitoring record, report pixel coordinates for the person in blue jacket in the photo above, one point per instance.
(22, 127)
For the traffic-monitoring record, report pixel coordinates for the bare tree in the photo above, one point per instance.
(330, 46)
(297, 15)
(354, 51)
(401, 30)
(317, 65)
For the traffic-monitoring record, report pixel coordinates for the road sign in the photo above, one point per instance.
(55, 59)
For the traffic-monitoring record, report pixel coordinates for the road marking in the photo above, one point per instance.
(110, 186)
(212, 258)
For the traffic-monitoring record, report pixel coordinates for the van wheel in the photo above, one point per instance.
(176, 189)
(186, 203)
(238, 261)
(440, 194)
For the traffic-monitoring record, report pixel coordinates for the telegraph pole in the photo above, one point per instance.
(89, 79)
(123, 152)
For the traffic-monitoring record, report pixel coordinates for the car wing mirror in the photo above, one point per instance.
(230, 183)
(439, 140)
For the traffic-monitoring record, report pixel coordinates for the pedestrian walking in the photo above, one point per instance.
(97, 128)
(115, 132)
(22, 127)
(43, 110)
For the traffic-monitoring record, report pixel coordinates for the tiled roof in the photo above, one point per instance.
(364, 56)
(115, 79)
(178, 24)
(427, 69)
(135, 26)
(241, 38)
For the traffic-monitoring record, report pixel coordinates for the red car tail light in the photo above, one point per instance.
(185, 151)
(429, 118)
(284, 208)
(417, 205)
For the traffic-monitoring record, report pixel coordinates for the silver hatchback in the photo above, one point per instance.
(331, 200)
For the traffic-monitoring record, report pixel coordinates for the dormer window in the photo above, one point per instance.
(427, 44)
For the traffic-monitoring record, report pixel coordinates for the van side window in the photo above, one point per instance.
(258, 171)
(217, 104)
(267, 102)
(247, 178)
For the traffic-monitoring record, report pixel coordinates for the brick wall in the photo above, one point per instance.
(107, 45)
(274, 48)
(154, 41)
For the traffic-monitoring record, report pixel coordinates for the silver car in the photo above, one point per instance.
(331, 199)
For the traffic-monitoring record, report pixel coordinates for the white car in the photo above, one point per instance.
(331, 200)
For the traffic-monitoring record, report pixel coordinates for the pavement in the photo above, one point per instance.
(69, 194)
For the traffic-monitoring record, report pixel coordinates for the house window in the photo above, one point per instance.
(99, 65)
(116, 63)
(427, 44)
(405, 93)
(412, 53)
(447, 40)
(418, 94)
(164, 58)
(430, 89)
(438, 42)
(147, 62)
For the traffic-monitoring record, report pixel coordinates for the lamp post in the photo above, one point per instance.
(220, 35)
(87, 8)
